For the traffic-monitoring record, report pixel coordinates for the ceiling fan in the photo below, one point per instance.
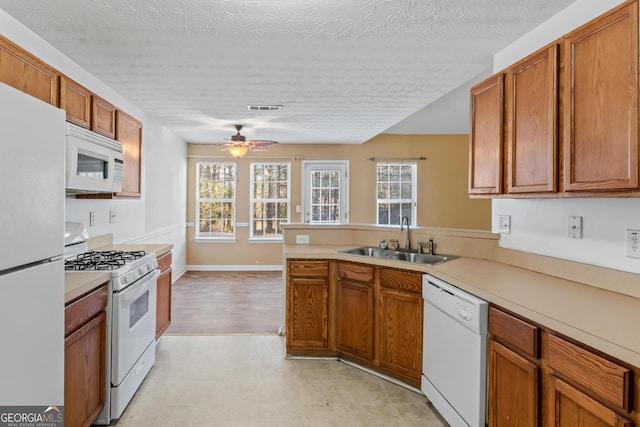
(238, 144)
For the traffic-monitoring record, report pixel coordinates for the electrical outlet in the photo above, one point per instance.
(112, 217)
(504, 224)
(92, 218)
(302, 239)
(575, 227)
(633, 243)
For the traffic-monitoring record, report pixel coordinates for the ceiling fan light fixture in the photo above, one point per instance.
(238, 150)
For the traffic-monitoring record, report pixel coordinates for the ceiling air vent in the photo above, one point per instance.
(264, 107)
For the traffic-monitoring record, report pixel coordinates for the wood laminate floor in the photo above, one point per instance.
(213, 303)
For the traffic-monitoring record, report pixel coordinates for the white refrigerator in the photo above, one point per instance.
(32, 148)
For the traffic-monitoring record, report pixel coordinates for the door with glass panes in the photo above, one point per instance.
(325, 189)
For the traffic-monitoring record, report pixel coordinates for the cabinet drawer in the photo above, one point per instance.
(511, 330)
(164, 262)
(303, 268)
(353, 271)
(603, 377)
(401, 280)
(83, 309)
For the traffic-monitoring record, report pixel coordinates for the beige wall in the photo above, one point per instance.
(442, 190)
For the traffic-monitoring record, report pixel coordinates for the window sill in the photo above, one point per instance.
(265, 240)
(214, 240)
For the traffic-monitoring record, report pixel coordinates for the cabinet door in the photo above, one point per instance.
(569, 407)
(307, 313)
(163, 302)
(486, 144)
(532, 123)
(24, 72)
(355, 318)
(103, 117)
(84, 372)
(129, 133)
(75, 100)
(513, 389)
(400, 323)
(601, 103)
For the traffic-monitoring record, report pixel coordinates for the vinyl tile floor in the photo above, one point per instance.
(244, 380)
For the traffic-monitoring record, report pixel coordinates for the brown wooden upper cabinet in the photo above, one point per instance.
(26, 73)
(532, 123)
(103, 117)
(129, 133)
(487, 130)
(76, 101)
(601, 103)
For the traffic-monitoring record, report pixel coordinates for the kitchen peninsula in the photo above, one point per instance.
(574, 311)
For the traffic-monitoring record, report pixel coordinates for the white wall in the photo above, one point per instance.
(159, 215)
(540, 225)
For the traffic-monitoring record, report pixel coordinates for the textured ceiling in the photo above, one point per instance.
(344, 70)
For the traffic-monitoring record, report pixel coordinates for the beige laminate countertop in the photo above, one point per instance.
(78, 283)
(599, 318)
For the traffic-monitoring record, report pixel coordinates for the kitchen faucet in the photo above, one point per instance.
(406, 219)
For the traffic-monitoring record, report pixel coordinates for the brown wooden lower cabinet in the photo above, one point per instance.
(376, 322)
(163, 295)
(539, 378)
(569, 407)
(84, 358)
(308, 307)
(355, 318)
(513, 389)
(400, 315)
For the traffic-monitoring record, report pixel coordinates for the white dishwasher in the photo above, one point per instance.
(454, 353)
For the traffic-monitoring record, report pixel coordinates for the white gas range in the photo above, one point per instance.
(131, 319)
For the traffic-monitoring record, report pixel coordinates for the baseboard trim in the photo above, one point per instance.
(234, 267)
(178, 274)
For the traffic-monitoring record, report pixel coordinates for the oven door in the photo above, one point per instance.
(134, 324)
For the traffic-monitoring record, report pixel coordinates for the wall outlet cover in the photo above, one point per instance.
(302, 239)
(504, 224)
(633, 243)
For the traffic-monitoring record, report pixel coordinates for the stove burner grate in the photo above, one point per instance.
(101, 260)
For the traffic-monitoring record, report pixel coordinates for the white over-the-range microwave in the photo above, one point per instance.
(93, 162)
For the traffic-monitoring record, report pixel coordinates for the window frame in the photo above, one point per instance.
(414, 193)
(253, 200)
(208, 237)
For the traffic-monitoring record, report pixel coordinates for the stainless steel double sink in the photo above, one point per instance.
(409, 255)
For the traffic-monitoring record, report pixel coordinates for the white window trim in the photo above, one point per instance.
(414, 192)
(215, 239)
(252, 200)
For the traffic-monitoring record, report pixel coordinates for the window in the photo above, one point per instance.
(396, 187)
(269, 199)
(216, 200)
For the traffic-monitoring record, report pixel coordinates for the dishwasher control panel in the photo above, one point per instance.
(466, 308)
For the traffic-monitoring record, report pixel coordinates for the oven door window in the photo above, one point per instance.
(138, 309)
(92, 167)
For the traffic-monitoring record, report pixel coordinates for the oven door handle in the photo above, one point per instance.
(132, 292)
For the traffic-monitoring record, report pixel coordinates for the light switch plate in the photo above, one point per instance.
(504, 224)
(575, 227)
(302, 239)
(112, 217)
(92, 218)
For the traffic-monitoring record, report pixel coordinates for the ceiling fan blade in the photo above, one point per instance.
(260, 144)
